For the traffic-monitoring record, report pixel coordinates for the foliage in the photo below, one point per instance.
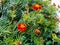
(14, 12)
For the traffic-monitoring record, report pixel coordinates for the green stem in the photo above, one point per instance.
(11, 20)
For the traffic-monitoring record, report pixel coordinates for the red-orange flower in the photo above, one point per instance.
(22, 27)
(37, 31)
(36, 7)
